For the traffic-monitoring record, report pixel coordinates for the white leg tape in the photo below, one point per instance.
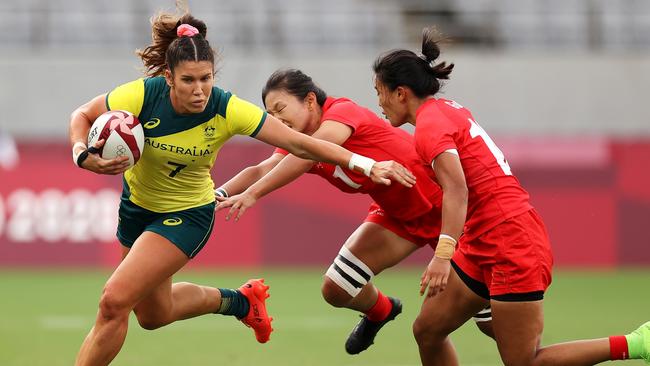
(342, 282)
(349, 273)
(484, 315)
(347, 254)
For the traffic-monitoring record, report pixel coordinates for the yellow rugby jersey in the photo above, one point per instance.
(173, 172)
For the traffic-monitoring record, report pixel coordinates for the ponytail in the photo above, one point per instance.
(419, 72)
(431, 51)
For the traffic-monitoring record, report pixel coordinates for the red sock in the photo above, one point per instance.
(618, 348)
(382, 308)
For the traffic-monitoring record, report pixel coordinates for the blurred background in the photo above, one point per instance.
(560, 85)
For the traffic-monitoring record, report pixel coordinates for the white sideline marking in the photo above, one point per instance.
(65, 322)
(73, 322)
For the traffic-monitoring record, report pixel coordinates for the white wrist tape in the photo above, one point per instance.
(361, 162)
(221, 192)
(445, 236)
(76, 153)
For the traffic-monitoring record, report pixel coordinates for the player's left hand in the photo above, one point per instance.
(238, 204)
(383, 172)
(435, 276)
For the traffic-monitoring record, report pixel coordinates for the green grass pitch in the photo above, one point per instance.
(44, 316)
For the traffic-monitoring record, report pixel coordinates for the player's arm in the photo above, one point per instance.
(250, 175)
(80, 122)
(450, 176)
(288, 170)
(276, 133)
(449, 173)
(292, 167)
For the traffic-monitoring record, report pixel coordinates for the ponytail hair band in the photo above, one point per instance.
(186, 30)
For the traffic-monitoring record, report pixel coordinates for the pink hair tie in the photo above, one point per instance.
(186, 30)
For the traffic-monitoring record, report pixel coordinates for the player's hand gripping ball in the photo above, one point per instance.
(122, 133)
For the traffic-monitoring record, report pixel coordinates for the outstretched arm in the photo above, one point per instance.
(276, 133)
(288, 170)
(250, 175)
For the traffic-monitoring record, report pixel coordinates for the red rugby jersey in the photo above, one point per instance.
(494, 193)
(377, 139)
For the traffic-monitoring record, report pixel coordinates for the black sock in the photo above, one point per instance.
(233, 303)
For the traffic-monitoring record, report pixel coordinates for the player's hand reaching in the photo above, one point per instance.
(435, 276)
(96, 164)
(383, 172)
(238, 204)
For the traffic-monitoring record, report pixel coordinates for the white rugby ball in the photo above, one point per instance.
(123, 135)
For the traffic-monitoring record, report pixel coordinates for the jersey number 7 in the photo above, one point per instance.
(178, 166)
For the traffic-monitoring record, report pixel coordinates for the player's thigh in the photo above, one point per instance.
(151, 261)
(158, 302)
(518, 330)
(378, 247)
(445, 312)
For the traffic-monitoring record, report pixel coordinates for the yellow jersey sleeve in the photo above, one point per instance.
(128, 97)
(243, 117)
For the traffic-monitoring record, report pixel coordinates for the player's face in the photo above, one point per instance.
(391, 106)
(191, 84)
(291, 110)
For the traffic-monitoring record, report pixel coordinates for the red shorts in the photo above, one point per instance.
(422, 231)
(513, 257)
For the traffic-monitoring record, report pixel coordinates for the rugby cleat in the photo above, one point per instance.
(363, 334)
(257, 318)
(638, 343)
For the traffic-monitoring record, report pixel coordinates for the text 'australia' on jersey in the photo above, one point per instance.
(377, 139)
(494, 194)
(173, 173)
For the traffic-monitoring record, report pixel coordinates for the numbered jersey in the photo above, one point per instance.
(494, 193)
(173, 173)
(377, 139)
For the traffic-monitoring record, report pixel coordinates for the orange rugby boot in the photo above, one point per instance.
(257, 318)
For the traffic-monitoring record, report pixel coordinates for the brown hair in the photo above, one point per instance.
(167, 50)
(418, 72)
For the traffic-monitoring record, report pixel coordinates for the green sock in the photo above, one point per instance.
(233, 303)
(635, 345)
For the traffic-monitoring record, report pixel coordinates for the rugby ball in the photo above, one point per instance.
(122, 133)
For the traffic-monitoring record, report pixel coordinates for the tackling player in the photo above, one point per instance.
(399, 221)
(504, 256)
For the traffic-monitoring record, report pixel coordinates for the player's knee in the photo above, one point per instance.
(151, 318)
(420, 332)
(516, 358)
(426, 333)
(345, 278)
(334, 294)
(113, 305)
(483, 320)
(150, 322)
(486, 328)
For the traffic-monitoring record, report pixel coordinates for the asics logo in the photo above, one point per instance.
(256, 313)
(152, 124)
(174, 221)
